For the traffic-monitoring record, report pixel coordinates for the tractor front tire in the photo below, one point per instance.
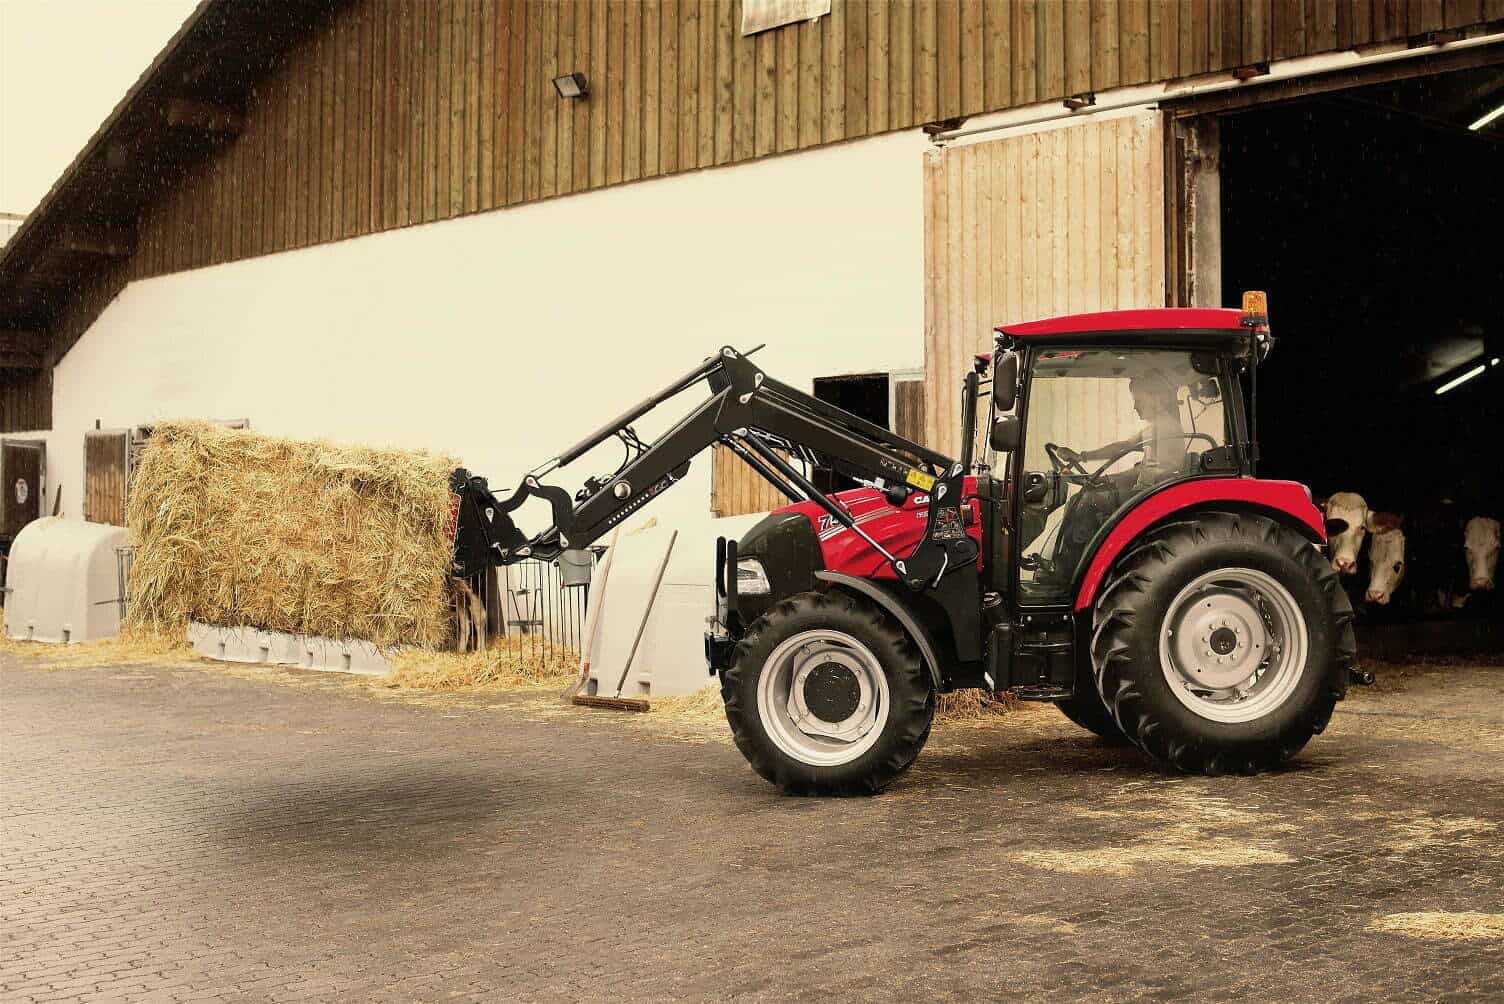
(1222, 643)
(826, 695)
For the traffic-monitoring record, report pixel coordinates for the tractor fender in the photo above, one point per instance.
(1289, 502)
(890, 603)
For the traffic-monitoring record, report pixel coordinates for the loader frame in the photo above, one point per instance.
(766, 423)
(956, 592)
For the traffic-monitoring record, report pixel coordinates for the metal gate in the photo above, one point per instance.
(527, 603)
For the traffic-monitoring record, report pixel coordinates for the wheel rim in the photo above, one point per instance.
(823, 697)
(1234, 644)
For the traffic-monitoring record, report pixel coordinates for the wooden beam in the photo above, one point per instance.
(25, 342)
(107, 241)
(20, 360)
(221, 120)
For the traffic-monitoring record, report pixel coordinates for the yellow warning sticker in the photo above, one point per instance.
(920, 480)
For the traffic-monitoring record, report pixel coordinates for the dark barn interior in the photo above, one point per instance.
(1374, 218)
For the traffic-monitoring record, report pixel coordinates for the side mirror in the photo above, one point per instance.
(1005, 381)
(1007, 432)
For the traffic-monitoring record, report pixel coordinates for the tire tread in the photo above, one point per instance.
(1112, 644)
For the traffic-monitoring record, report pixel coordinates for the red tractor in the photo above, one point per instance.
(1112, 552)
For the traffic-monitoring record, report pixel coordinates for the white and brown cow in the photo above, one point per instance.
(1351, 509)
(1386, 557)
(1480, 540)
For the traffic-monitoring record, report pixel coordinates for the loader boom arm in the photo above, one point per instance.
(766, 423)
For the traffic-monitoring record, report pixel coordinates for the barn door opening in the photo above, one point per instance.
(892, 400)
(1368, 206)
(867, 396)
(23, 467)
(1062, 220)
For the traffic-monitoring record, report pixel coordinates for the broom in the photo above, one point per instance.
(593, 619)
(618, 702)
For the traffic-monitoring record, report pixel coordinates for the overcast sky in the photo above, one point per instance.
(64, 64)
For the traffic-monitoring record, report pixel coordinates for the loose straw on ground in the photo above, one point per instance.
(134, 647)
(511, 663)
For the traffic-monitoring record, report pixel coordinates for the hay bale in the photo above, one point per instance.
(244, 530)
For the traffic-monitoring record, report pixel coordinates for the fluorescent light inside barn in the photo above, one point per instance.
(1456, 382)
(1485, 120)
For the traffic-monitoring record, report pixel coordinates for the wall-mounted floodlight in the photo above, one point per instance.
(571, 86)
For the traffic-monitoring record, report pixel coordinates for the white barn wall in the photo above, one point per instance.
(503, 337)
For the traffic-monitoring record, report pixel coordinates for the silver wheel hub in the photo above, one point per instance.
(823, 697)
(1221, 639)
(1233, 645)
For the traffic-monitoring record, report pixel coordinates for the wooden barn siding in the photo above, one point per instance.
(410, 111)
(1063, 221)
(105, 467)
(736, 489)
(25, 401)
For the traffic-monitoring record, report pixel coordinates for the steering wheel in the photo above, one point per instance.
(1067, 462)
(1063, 459)
(1095, 478)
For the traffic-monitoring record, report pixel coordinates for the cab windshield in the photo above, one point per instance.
(1104, 427)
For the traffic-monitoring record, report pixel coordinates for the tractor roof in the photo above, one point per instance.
(1176, 322)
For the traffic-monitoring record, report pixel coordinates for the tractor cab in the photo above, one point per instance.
(1095, 412)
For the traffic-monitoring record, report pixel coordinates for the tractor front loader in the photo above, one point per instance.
(1112, 552)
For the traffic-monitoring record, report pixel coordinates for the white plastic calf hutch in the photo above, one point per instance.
(670, 657)
(64, 582)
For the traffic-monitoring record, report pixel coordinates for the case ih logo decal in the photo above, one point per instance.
(829, 528)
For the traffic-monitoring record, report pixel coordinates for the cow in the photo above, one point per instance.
(1351, 510)
(1480, 541)
(1386, 557)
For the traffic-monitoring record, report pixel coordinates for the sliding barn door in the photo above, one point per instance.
(1060, 221)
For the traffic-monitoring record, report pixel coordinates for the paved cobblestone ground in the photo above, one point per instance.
(192, 833)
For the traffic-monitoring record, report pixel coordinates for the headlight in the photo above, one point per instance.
(750, 577)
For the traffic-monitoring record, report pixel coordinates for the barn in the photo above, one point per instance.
(487, 227)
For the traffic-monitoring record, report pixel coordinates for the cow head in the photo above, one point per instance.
(1386, 557)
(1480, 539)
(1351, 510)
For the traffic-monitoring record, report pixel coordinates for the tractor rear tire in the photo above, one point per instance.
(1222, 643)
(812, 659)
